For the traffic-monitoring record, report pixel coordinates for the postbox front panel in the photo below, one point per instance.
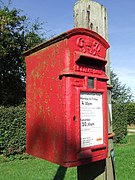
(87, 121)
(88, 100)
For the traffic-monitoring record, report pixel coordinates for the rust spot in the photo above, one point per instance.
(51, 88)
(53, 64)
(48, 110)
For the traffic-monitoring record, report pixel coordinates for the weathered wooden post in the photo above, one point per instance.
(92, 15)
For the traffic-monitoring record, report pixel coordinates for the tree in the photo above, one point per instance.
(130, 107)
(121, 97)
(16, 36)
(120, 92)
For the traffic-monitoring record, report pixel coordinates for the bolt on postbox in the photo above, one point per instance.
(66, 99)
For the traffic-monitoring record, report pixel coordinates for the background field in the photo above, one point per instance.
(36, 169)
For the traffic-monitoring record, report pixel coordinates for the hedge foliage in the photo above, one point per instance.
(12, 130)
(131, 113)
(119, 113)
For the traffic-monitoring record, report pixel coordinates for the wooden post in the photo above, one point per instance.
(92, 15)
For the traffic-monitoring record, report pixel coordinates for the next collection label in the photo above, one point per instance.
(91, 115)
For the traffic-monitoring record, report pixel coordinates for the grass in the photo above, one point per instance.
(125, 159)
(34, 169)
(37, 169)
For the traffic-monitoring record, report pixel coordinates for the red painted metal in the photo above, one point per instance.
(57, 72)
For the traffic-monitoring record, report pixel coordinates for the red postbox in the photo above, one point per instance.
(66, 99)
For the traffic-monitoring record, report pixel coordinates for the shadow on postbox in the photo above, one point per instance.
(66, 99)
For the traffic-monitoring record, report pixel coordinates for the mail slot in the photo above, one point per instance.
(66, 99)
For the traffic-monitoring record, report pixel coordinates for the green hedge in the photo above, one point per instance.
(131, 113)
(119, 112)
(12, 130)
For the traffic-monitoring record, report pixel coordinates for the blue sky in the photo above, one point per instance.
(57, 16)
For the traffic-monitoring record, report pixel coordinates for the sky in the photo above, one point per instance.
(57, 16)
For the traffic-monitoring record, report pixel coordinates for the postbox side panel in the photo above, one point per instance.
(45, 104)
